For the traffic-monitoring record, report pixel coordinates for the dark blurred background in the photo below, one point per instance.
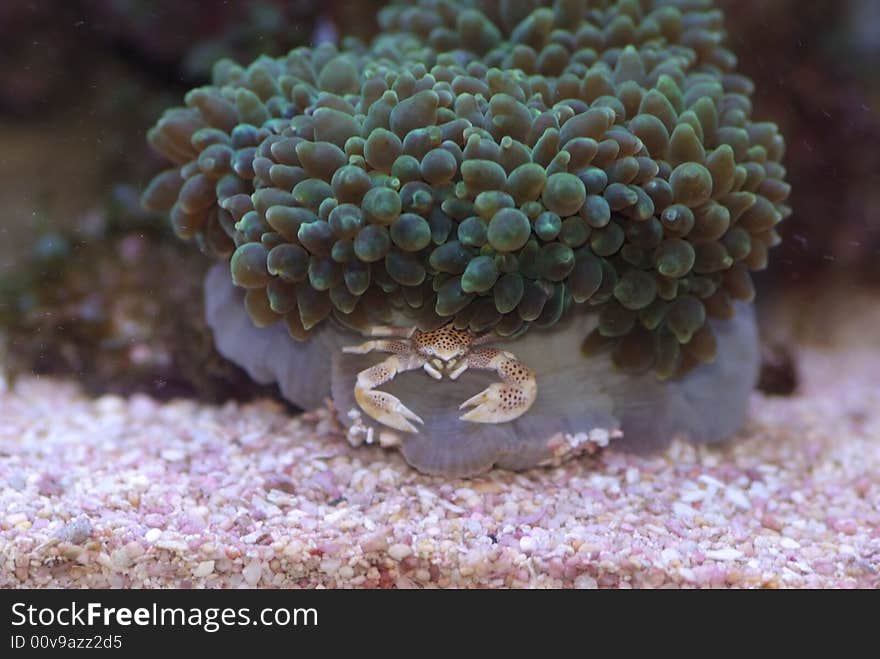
(82, 80)
(84, 273)
(90, 284)
(817, 69)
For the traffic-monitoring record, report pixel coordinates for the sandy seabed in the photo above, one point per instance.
(116, 492)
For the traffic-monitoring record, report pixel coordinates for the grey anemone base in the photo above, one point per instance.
(576, 394)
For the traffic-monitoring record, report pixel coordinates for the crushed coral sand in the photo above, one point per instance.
(135, 493)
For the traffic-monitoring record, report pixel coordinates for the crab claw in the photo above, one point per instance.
(380, 405)
(497, 403)
(505, 400)
(387, 409)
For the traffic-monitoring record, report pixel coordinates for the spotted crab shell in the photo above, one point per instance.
(582, 401)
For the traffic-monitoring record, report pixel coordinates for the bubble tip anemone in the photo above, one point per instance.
(496, 170)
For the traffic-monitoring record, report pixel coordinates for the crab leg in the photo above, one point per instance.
(378, 345)
(505, 400)
(380, 405)
(389, 331)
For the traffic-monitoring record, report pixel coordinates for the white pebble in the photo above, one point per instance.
(691, 496)
(252, 572)
(172, 545)
(788, 543)
(152, 535)
(737, 497)
(17, 482)
(76, 532)
(172, 455)
(601, 437)
(120, 559)
(527, 544)
(709, 481)
(399, 551)
(15, 518)
(203, 569)
(330, 566)
(670, 554)
(726, 554)
(683, 510)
